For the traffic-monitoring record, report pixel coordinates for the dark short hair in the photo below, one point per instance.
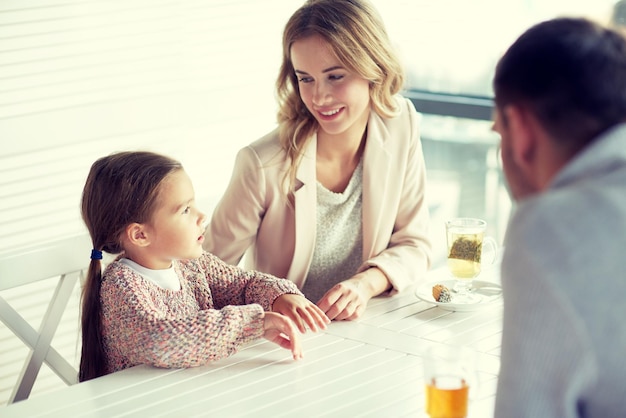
(571, 73)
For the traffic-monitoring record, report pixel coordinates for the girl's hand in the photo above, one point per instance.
(301, 311)
(280, 330)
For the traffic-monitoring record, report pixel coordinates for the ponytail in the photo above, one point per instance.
(93, 359)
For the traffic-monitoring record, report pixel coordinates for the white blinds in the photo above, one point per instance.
(80, 79)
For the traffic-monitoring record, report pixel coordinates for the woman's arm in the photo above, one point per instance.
(406, 257)
(347, 300)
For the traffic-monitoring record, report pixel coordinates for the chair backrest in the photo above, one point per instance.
(42, 261)
(66, 259)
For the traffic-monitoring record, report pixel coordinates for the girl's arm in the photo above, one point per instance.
(143, 324)
(232, 285)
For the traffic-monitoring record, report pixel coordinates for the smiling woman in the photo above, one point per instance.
(347, 153)
(339, 101)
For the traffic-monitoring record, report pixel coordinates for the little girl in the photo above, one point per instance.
(164, 301)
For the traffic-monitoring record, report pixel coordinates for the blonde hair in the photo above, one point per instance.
(356, 35)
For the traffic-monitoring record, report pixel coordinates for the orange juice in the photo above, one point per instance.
(446, 397)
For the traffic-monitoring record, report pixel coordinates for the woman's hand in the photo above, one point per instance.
(301, 311)
(347, 300)
(280, 330)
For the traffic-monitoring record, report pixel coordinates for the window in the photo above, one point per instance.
(450, 49)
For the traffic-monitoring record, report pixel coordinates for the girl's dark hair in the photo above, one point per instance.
(121, 189)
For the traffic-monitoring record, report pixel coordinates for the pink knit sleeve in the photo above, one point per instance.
(144, 324)
(231, 285)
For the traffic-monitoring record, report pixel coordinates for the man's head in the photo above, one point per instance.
(560, 85)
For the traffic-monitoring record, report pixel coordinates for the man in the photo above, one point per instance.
(560, 93)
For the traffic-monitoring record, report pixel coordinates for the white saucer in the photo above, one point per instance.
(487, 294)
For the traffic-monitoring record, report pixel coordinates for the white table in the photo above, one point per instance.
(371, 367)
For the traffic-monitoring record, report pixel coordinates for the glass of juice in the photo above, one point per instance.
(449, 375)
(465, 239)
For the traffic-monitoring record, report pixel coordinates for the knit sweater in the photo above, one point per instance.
(338, 252)
(218, 308)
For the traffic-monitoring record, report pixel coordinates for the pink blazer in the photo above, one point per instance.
(254, 216)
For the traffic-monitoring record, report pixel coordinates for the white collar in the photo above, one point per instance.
(166, 278)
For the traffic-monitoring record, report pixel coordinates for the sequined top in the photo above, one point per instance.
(218, 308)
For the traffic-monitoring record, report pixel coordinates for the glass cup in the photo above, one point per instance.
(450, 377)
(465, 239)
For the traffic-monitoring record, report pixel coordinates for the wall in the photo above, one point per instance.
(81, 79)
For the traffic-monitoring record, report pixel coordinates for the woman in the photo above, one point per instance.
(333, 199)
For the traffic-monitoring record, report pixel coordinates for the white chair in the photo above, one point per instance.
(65, 258)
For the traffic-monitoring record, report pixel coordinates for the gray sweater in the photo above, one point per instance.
(564, 283)
(338, 249)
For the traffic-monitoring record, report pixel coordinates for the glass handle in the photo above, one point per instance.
(490, 242)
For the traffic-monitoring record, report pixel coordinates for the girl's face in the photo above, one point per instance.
(338, 99)
(176, 228)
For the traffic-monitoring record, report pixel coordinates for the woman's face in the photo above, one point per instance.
(337, 98)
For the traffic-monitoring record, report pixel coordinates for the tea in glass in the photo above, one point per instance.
(464, 253)
(465, 239)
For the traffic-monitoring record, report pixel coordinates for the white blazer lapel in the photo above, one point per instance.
(305, 206)
(376, 164)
